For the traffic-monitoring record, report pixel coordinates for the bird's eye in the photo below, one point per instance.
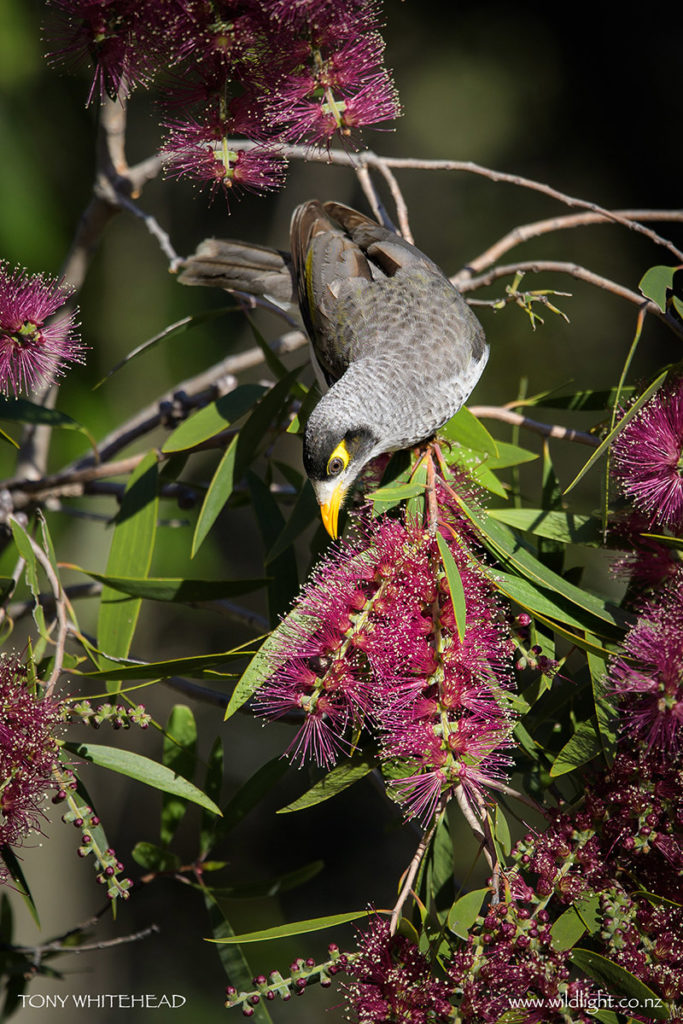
(335, 466)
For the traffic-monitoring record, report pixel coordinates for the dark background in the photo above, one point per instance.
(576, 96)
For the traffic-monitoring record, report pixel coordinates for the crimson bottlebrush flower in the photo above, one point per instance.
(28, 753)
(373, 642)
(204, 150)
(33, 352)
(648, 678)
(393, 981)
(647, 458)
(648, 562)
(127, 41)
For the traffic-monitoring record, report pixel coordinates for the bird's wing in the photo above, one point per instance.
(241, 267)
(326, 262)
(381, 246)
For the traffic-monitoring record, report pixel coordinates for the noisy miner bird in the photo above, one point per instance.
(396, 348)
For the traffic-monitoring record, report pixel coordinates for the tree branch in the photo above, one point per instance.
(500, 412)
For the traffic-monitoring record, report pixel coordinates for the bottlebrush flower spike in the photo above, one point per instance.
(649, 679)
(28, 753)
(647, 458)
(33, 352)
(373, 642)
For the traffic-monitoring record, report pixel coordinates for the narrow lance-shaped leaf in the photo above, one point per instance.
(143, 769)
(171, 331)
(334, 782)
(236, 966)
(282, 569)
(130, 554)
(454, 585)
(238, 456)
(604, 445)
(214, 418)
(176, 589)
(180, 755)
(282, 931)
(618, 981)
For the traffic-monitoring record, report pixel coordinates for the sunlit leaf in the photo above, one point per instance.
(625, 419)
(143, 769)
(655, 282)
(282, 931)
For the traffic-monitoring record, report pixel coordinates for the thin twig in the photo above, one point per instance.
(19, 609)
(60, 607)
(367, 157)
(399, 201)
(204, 387)
(474, 823)
(574, 270)
(411, 872)
(374, 202)
(499, 412)
(56, 945)
(524, 232)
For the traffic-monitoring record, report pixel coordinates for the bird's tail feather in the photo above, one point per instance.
(242, 267)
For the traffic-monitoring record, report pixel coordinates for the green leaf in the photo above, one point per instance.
(578, 401)
(143, 769)
(334, 782)
(567, 527)
(284, 580)
(182, 591)
(153, 858)
(282, 931)
(130, 554)
(455, 585)
(212, 787)
(25, 549)
(570, 926)
(20, 410)
(221, 487)
(626, 418)
(261, 665)
(186, 324)
(251, 793)
(535, 600)
(235, 964)
(510, 455)
(213, 418)
(7, 584)
(305, 512)
(20, 883)
(620, 982)
(507, 546)
(470, 432)
(606, 711)
(655, 282)
(271, 886)
(465, 912)
(239, 455)
(439, 881)
(193, 666)
(180, 755)
(502, 831)
(583, 746)
(567, 930)
(392, 494)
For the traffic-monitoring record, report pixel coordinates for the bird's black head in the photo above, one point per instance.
(332, 461)
(328, 454)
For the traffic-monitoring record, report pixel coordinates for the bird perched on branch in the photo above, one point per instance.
(396, 348)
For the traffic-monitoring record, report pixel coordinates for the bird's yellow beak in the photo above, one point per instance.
(330, 511)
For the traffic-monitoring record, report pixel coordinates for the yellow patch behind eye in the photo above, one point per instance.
(340, 452)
